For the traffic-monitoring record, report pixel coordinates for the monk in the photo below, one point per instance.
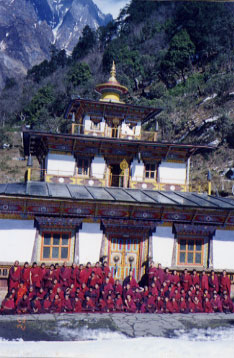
(195, 278)
(25, 275)
(225, 283)
(8, 305)
(182, 305)
(119, 303)
(22, 290)
(213, 282)
(152, 271)
(49, 277)
(74, 271)
(46, 304)
(106, 268)
(227, 304)
(77, 305)
(42, 273)
(36, 305)
(35, 276)
(14, 276)
(67, 306)
(175, 278)
(216, 303)
(56, 306)
(175, 307)
(98, 270)
(208, 306)
(168, 306)
(89, 304)
(64, 275)
(130, 305)
(110, 304)
(159, 305)
(160, 273)
(204, 281)
(197, 305)
(23, 305)
(186, 280)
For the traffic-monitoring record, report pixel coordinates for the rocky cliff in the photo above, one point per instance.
(28, 27)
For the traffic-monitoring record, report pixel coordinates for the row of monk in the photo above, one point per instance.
(80, 289)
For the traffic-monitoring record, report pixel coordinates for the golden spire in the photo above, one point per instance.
(113, 73)
(112, 89)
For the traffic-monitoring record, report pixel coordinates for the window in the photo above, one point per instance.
(55, 246)
(83, 166)
(150, 171)
(190, 252)
(96, 126)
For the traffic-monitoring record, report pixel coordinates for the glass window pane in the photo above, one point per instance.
(64, 253)
(46, 252)
(183, 245)
(198, 245)
(56, 239)
(65, 238)
(152, 175)
(55, 252)
(147, 167)
(182, 257)
(190, 245)
(147, 174)
(47, 239)
(198, 258)
(190, 258)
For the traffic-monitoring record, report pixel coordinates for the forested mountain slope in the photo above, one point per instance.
(171, 55)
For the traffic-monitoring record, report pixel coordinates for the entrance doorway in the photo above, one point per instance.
(124, 254)
(116, 179)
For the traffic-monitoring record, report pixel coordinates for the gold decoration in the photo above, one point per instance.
(116, 122)
(124, 165)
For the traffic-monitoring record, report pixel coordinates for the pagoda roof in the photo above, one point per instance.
(127, 112)
(39, 143)
(83, 193)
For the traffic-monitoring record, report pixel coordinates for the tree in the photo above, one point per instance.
(178, 57)
(79, 74)
(86, 42)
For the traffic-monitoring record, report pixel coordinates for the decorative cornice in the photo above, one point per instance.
(195, 229)
(58, 222)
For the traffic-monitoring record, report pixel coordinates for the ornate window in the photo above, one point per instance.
(55, 246)
(150, 171)
(190, 251)
(83, 167)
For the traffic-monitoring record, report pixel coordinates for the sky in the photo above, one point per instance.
(112, 7)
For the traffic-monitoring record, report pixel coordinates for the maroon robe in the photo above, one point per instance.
(14, 277)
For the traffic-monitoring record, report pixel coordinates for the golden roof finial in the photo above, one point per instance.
(113, 73)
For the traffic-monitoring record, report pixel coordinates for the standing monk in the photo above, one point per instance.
(225, 283)
(14, 276)
(204, 281)
(35, 276)
(65, 275)
(25, 275)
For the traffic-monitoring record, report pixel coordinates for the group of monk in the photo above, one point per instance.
(58, 289)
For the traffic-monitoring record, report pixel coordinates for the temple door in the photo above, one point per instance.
(124, 254)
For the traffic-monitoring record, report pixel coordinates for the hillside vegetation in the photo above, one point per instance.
(171, 55)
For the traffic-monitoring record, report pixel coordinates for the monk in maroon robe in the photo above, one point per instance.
(23, 305)
(159, 305)
(25, 275)
(14, 276)
(35, 276)
(175, 278)
(208, 306)
(152, 271)
(186, 280)
(227, 304)
(8, 305)
(119, 303)
(130, 305)
(216, 303)
(49, 277)
(225, 283)
(168, 306)
(36, 305)
(183, 305)
(213, 282)
(195, 278)
(77, 305)
(64, 275)
(204, 281)
(160, 273)
(175, 306)
(67, 306)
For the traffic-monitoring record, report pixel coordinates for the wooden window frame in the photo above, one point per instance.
(194, 251)
(150, 171)
(60, 246)
(83, 174)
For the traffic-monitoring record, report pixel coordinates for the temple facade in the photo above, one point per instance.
(109, 190)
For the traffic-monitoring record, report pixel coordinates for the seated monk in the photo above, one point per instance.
(197, 305)
(20, 292)
(102, 306)
(89, 304)
(159, 305)
(150, 305)
(46, 304)
(208, 306)
(119, 303)
(67, 306)
(216, 303)
(8, 305)
(175, 307)
(36, 305)
(56, 306)
(110, 304)
(77, 305)
(227, 304)
(130, 305)
(23, 305)
(182, 305)
(168, 306)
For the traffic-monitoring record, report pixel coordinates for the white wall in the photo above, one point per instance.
(163, 242)
(90, 240)
(223, 249)
(16, 240)
(98, 167)
(60, 164)
(87, 122)
(137, 170)
(172, 173)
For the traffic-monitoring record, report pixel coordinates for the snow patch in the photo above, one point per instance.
(209, 98)
(211, 119)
